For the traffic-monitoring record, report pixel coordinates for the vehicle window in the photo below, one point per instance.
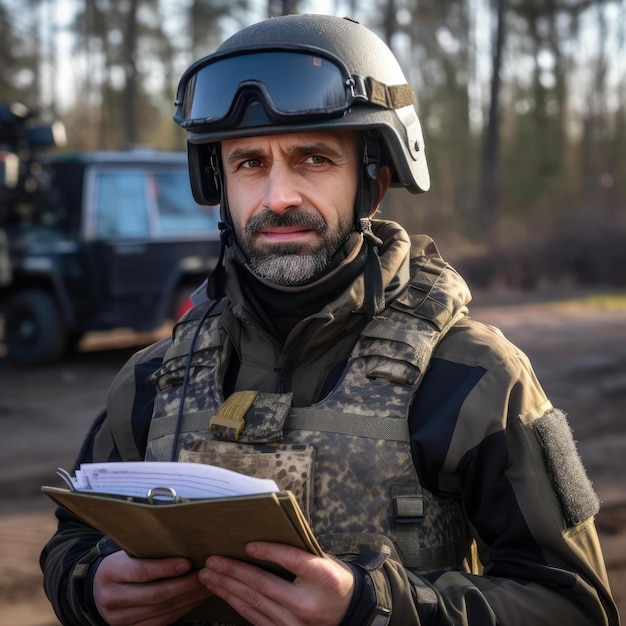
(177, 210)
(122, 204)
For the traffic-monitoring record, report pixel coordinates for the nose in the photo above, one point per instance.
(281, 189)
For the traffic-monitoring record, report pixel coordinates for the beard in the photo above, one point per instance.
(291, 264)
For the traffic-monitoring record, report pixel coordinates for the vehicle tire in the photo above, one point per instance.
(33, 328)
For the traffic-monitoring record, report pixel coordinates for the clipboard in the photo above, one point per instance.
(195, 529)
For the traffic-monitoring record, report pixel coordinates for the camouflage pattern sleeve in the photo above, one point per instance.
(484, 432)
(68, 560)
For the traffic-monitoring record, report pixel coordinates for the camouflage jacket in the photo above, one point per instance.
(484, 440)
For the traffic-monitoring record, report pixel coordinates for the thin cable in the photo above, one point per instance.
(181, 406)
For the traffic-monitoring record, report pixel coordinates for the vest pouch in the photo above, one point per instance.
(209, 353)
(289, 465)
(169, 378)
(201, 399)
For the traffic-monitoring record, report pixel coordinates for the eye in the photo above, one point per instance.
(250, 164)
(316, 159)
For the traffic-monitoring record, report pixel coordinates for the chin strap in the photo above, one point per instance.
(365, 226)
(374, 293)
(367, 203)
(216, 281)
(367, 197)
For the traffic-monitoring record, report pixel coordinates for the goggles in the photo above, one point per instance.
(291, 83)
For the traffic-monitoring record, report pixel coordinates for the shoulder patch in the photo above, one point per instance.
(565, 467)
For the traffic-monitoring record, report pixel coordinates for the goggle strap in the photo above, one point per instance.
(389, 96)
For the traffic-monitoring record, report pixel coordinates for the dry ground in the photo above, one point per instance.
(579, 353)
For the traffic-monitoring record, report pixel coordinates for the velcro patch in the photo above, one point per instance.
(565, 467)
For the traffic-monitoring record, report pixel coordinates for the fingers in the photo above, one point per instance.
(119, 567)
(320, 593)
(161, 614)
(258, 596)
(146, 592)
(292, 559)
(315, 574)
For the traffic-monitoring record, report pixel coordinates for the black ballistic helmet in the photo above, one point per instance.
(299, 73)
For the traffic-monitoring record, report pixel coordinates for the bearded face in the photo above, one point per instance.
(291, 262)
(291, 200)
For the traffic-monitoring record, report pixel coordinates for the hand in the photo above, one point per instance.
(149, 592)
(320, 593)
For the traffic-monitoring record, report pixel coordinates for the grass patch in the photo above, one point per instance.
(604, 300)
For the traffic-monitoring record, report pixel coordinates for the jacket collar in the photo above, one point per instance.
(392, 273)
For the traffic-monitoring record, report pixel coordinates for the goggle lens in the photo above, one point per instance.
(290, 83)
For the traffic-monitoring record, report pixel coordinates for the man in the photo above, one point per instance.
(442, 485)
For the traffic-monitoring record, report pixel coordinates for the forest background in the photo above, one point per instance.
(523, 105)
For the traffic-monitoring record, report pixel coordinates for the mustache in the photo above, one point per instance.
(296, 217)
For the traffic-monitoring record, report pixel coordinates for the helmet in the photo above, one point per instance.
(299, 73)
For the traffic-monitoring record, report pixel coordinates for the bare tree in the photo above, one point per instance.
(596, 123)
(129, 60)
(17, 54)
(282, 7)
(489, 184)
(203, 23)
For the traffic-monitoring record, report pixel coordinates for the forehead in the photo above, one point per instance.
(343, 141)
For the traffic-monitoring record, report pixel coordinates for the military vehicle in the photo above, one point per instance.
(93, 240)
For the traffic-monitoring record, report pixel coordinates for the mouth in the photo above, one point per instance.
(286, 234)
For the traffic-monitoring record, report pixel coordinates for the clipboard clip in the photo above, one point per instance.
(163, 495)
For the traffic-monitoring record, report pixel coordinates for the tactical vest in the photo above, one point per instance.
(348, 457)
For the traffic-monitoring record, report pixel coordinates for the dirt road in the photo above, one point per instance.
(579, 353)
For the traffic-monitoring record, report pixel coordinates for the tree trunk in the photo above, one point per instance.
(490, 153)
(130, 67)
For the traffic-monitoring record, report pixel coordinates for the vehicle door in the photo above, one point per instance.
(144, 228)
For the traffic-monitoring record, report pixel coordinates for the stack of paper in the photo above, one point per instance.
(187, 480)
